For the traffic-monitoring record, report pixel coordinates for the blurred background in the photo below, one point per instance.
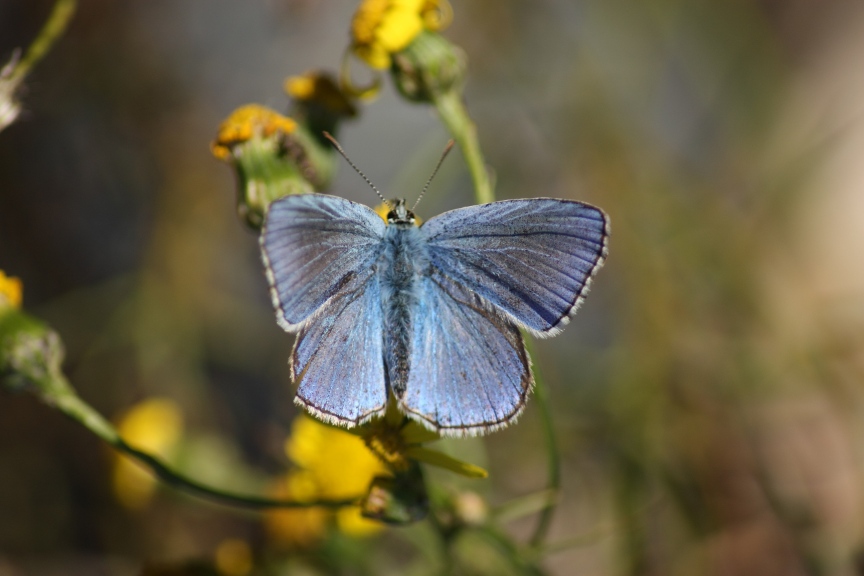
(708, 397)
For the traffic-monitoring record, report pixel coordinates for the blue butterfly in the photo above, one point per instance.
(428, 316)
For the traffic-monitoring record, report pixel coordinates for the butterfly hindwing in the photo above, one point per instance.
(315, 247)
(338, 360)
(469, 372)
(532, 259)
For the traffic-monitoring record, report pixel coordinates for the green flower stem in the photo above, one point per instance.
(62, 396)
(180, 482)
(452, 111)
(53, 29)
(31, 355)
(553, 471)
(59, 394)
(12, 74)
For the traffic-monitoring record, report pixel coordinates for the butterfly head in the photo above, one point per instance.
(400, 214)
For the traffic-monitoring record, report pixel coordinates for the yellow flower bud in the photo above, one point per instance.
(273, 156)
(246, 122)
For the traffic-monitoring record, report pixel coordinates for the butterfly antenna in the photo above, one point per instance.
(350, 163)
(434, 172)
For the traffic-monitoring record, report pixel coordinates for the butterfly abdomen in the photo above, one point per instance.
(404, 259)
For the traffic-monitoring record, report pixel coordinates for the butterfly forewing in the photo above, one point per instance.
(316, 247)
(531, 259)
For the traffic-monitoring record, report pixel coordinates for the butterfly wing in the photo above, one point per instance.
(469, 372)
(316, 247)
(531, 259)
(319, 252)
(338, 359)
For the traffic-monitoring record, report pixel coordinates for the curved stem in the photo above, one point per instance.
(51, 31)
(57, 392)
(454, 115)
(553, 464)
(180, 482)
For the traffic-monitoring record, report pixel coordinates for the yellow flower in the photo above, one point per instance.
(383, 27)
(350, 520)
(10, 291)
(154, 426)
(332, 464)
(376, 462)
(246, 122)
(341, 465)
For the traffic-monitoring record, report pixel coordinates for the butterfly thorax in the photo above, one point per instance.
(404, 261)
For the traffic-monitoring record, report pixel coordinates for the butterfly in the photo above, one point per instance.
(425, 316)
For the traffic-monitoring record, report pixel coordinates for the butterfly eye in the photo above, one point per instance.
(394, 217)
(400, 214)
